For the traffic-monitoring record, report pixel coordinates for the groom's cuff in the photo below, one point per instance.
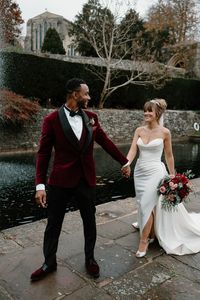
(40, 187)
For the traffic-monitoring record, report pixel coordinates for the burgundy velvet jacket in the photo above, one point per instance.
(72, 158)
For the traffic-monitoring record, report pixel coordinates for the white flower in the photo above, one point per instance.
(91, 122)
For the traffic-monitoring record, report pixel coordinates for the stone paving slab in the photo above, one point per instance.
(131, 241)
(136, 283)
(123, 276)
(4, 294)
(114, 261)
(190, 260)
(113, 229)
(26, 235)
(7, 245)
(88, 293)
(179, 268)
(16, 270)
(129, 219)
(70, 244)
(196, 184)
(73, 244)
(72, 222)
(178, 288)
(115, 209)
(194, 202)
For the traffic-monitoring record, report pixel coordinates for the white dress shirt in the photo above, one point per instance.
(76, 124)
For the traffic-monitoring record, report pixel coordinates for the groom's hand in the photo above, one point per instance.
(40, 198)
(126, 171)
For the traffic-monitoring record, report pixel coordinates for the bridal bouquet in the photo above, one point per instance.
(175, 189)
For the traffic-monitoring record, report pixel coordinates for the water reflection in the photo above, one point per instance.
(187, 156)
(17, 188)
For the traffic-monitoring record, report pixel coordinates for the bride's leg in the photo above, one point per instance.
(144, 237)
(152, 232)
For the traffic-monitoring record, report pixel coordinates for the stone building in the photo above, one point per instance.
(184, 55)
(38, 26)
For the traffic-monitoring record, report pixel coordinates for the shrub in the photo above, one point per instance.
(15, 109)
(52, 42)
(43, 78)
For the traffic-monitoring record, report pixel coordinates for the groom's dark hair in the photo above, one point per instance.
(73, 84)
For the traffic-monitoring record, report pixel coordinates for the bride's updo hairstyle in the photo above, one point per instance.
(159, 105)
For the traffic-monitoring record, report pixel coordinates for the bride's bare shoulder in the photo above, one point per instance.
(166, 131)
(140, 129)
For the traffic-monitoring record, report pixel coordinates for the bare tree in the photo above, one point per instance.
(112, 43)
(10, 21)
(178, 16)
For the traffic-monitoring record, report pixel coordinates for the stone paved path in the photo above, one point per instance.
(123, 276)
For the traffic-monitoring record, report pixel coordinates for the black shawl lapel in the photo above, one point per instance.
(69, 134)
(88, 126)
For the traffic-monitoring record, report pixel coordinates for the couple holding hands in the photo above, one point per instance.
(69, 134)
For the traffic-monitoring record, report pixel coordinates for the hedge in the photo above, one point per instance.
(45, 78)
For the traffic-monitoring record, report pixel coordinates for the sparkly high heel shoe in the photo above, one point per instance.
(151, 240)
(135, 225)
(139, 253)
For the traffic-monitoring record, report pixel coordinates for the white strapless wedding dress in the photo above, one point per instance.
(178, 232)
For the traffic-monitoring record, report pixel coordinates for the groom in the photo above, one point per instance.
(70, 132)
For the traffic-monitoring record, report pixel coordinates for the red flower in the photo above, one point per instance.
(175, 189)
(184, 179)
(183, 192)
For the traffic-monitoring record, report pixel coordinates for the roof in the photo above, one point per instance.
(48, 15)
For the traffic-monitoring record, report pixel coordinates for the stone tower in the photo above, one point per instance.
(38, 26)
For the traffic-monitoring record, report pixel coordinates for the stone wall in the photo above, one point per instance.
(124, 64)
(118, 124)
(121, 124)
(187, 54)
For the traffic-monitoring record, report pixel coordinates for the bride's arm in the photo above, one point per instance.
(133, 149)
(169, 157)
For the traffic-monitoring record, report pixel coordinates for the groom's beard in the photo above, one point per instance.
(82, 104)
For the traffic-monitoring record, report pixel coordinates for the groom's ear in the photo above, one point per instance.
(76, 94)
(73, 94)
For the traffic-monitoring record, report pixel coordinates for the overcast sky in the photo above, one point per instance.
(66, 8)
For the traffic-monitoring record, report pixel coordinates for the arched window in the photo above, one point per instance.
(71, 50)
(32, 37)
(177, 60)
(45, 27)
(40, 36)
(36, 39)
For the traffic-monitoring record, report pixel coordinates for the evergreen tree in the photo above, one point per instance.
(52, 42)
(87, 28)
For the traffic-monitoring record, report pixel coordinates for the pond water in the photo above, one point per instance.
(17, 188)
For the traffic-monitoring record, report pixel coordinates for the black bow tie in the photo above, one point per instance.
(73, 113)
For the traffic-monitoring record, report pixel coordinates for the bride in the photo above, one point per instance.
(177, 232)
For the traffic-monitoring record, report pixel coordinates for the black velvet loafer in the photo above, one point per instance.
(92, 268)
(43, 272)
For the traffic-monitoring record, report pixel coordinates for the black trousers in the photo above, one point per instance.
(83, 197)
